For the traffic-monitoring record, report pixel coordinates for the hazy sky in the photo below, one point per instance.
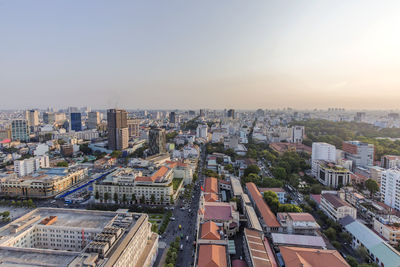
(194, 54)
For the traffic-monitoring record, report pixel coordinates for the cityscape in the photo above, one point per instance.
(199, 133)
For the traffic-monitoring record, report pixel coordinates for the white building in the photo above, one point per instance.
(336, 208)
(29, 166)
(330, 174)
(202, 131)
(322, 151)
(390, 188)
(32, 117)
(297, 134)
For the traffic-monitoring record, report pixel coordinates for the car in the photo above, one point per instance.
(172, 218)
(181, 247)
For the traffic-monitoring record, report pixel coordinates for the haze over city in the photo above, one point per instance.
(186, 54)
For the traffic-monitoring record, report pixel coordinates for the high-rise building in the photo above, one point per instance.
(172, 117)
(133, 127)
(202, 113)
(20, 130)
(49, 117)
(76, 121)
(202, 131)
(5, 134)
(32, 117)
(361, 154)
(93, 119)
(29, 166)
(390, 188)
(231, 113)
(117, 126)
(322, 151)
(157, 141)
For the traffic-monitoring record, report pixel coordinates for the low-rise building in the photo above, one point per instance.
(279, 191)
(297, 256)
(70, 238)
(307, 241)
(297, 223)
(330, 174)
(31, 165)
(389, 228)
(267, 217)
(379, 251)
(336, 208)
(44, 183)
(257, 251)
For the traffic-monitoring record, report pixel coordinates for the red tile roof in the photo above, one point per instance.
(212, 256)
(211, 185)
(266, 213)
(217, 211)
(210, 197)
(210, 230)
(297, 256)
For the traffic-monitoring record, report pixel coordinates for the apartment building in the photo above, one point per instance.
(362, 154)
(322, 151)
(389, 228)
(390, 161)
(70, 238)
(390, 188)
(336, 208)
(31, 165)
(297, 223)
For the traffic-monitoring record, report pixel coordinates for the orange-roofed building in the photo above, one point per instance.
(210, 230)
(269, 221)
(211, 185)
(210, 197)
(212, 256)
(297, 257)
(255, 248)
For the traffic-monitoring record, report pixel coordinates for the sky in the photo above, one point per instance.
(172, 54)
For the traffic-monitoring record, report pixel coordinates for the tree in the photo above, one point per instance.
(372, 186)
(115, 197)
(62, 164)
(106, 197)
(251, 169)
(123, 198)
(133, 198)
(97, 195)
(85, 149)
(279, 173)
(316, 189)
(252, 178)
(162, 199)
(272, 200)
(289, 208)
(345, 236)
(152, 198)
(143, 199)
(330, 233)
(362, 253)
(116, 154)
(336, 244)
(352, 261)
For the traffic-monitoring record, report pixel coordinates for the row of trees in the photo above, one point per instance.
(172, 253)
(126, 200)
(19, 204)
(165, 222)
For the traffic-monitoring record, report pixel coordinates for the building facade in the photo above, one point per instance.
(336, 208)
(390, 188)
(20, 130)
(29, 166)
(93, 119)
(330, 174)
(157, 141)
(76, 121)
(117, 127)
(322, 151)
(361, 154)
(134, 128)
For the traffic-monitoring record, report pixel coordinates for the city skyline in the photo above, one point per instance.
(265, 54)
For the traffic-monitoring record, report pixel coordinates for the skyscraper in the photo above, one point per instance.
(172, 117)
(157, 141)
(133, 127)
(93, 119)
(76, 121)
(231, 113)
(20, 130)
(32, 117)
(117, 126)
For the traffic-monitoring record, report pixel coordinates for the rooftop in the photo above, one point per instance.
(298, 240)
(336, 201)
(212, 256)
(296, 257)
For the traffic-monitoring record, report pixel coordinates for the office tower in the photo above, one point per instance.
(202, 113)
(32, 117)
(322, 151)
(5, 134)
(76, 121)
(231, 113)
(49, 117)
(20, 130)
(93, 119)
(117, 126)
(297, 134)
(390, 188)
(172, 117)
(157, 141)
(361, 154)
(133, 127)
(360, 117)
